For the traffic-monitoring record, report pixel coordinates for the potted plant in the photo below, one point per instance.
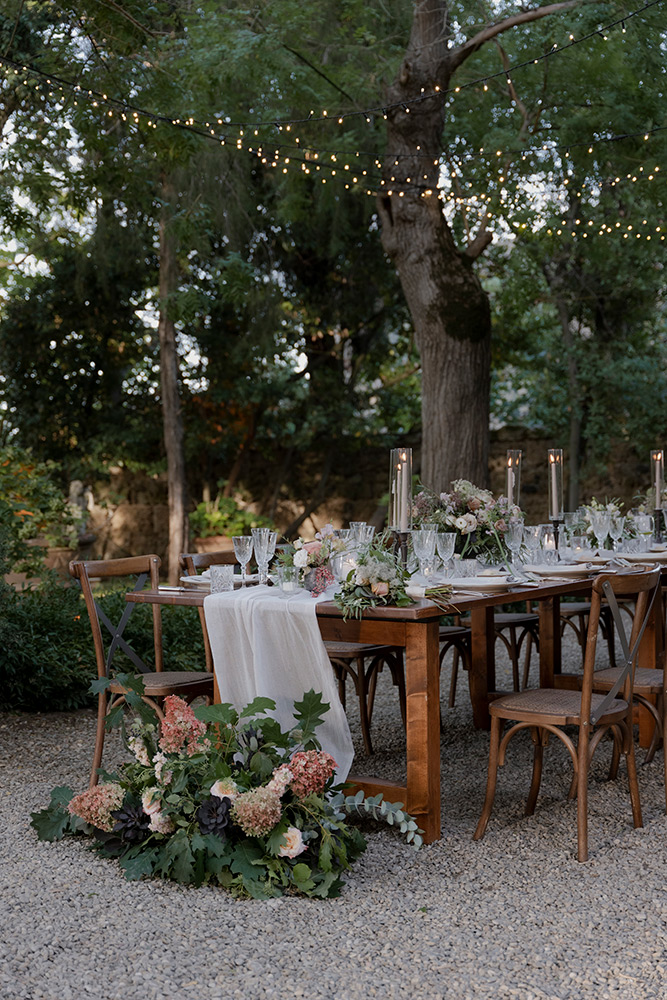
(215, 522)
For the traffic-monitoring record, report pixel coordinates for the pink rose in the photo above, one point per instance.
(380, 589)
(313, 547)
(501, 525)
(474, 504)
(292, 844)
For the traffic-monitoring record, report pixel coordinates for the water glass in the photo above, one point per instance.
(222, 579)
(446, 542)
(466, 567)
(264, 544)
(532, 534)
(243, 552)
(514, 537)
(616, 529)
(288, 579)
(601, 522)
(644, 526)
(423, 544)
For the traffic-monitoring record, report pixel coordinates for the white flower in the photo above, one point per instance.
(224, 788)
(470, 524)
(461, 524)
(160, 823)
(136, 745)
(293, 844)
(301, 558)
(150, 802)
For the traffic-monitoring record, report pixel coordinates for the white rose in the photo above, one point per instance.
(460, 523)
(149, 803)
(301, 558)
(224, 789)
(293, 844)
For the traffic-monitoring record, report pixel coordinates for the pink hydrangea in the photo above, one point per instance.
(311, 769)
(180, 729)
(96, 805)
(257, 811)
(160, 823)
(282, 776)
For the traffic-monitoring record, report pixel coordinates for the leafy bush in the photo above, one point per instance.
(47, 658)
(223, 516)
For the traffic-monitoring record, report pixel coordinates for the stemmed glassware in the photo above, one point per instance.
(423, 544)
(644, 525)
(446, 542)
(616, 528)
(600, 522)
(532, 534)
(264, 544)
(243, 552)
(514, 539)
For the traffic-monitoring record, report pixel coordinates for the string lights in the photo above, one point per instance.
(360, 169)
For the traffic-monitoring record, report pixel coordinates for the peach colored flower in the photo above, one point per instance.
(313, 547)
(224, 788)
(380, 589)
(292, 844)
(150, 801)
(160, 823)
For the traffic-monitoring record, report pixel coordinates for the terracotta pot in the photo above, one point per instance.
(214, 543)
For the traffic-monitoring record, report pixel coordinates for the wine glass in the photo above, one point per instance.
(264, 544)
(644, 524)
(423, 544)
(616, 528)
(446, 542)
(514, 539)
(601, 522)
(532, 534)
(242, 551)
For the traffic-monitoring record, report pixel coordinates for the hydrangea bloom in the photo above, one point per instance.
(257, 811)
(138, 748)
(180, 729)
(281, 779)
(160, 823)
(311, 769)
(159, 760)
(95, 805)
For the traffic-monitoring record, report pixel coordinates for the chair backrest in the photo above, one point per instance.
(143, 569)
(645, 586)
(195, 562)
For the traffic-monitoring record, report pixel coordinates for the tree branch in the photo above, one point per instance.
(462, 52)
(319, 72)
(479, 244)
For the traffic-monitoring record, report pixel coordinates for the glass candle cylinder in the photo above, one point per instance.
(513, 476)
(658, 474)
(555, 468)
(400, 489)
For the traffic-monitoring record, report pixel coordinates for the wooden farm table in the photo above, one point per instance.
(416, 629)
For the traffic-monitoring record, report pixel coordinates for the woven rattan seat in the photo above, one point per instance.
(158, 682)
(562, 706)
(547, 711)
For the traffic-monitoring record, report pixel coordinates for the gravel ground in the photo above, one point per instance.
(512, 916)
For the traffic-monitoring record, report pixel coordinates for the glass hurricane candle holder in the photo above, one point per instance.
(400, 490)
(555, 483)
(513, 476)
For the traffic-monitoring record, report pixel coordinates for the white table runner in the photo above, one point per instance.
(271, 646)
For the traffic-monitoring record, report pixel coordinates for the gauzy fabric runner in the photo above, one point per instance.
(271, 646)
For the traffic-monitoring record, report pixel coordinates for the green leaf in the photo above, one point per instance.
(301, 874)
(225, 715)
(177, 858)
(247, 859)
(99, 684)
(324, 859)
(135, 867)
(261, 763)
(274, 840)
(258, 706)
(54, 822)
(309, 713)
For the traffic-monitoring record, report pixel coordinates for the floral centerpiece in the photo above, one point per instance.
(479, 520)
(585, 515)
(313, 559)
(379, 580)
(214, 796)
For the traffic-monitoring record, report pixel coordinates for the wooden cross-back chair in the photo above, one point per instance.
(362, 662)
(548, 711)
(109, 641)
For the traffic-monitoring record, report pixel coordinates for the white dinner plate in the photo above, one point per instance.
(596, 560)
(645, 557)
(485, 584)
(203, 582)
(560, 569)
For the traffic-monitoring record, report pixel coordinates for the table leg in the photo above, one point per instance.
(550, 643)
(482, 677)
(422, 683)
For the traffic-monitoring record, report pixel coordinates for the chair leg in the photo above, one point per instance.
(632, 776)
(582, 797)
(514, 657)
(494, 746)
(526, 662)
(454, 677)
(615, 755)
(362, 693)
(102, 705)
(540, 738)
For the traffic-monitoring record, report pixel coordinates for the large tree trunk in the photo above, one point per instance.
(449, 308)
(172, 420)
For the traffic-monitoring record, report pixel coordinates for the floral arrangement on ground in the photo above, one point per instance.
(217, 796)
(379, 580)
(479, 520)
